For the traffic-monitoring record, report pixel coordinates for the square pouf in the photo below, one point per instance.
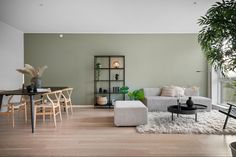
(130, 113)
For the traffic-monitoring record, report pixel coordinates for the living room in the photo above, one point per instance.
(159, 41)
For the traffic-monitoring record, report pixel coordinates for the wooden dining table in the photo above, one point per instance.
(31, 96)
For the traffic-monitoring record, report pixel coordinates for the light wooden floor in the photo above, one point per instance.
(90, 132)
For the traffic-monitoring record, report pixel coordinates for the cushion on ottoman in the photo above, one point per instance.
(130, 113)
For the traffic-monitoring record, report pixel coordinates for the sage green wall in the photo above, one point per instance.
(151, 60)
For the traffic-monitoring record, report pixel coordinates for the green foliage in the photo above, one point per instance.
(98, 70)
(218, 35)
(231, 85)
(136, 95)
(124, 90)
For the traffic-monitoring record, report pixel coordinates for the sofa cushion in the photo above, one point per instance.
(191, 91)
(168, 91)
(152, 91)
(179, 91)
(159, 103)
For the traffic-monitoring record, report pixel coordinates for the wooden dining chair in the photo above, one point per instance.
(17, 103)
(5, 111)
(65, 100)
(48, 105)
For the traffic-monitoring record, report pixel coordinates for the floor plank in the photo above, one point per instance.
(90, 132)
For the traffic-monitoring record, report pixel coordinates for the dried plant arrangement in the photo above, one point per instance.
(35, 72)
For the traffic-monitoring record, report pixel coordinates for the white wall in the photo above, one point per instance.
(11, 57)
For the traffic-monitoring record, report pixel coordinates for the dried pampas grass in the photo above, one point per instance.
(31, 71)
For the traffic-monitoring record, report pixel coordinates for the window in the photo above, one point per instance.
(226, 88)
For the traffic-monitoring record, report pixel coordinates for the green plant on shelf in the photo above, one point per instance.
(124, 90)
(98, 67)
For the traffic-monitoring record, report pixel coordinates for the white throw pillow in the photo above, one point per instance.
(168, 91)
(192, 91)
(179, 91)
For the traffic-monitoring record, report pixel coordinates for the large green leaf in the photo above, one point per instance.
(218, 35)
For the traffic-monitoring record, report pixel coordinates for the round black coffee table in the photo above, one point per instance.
(184, 109)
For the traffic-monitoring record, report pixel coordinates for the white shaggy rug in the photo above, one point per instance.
(208, 123)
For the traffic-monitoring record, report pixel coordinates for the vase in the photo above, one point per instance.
(37, 82)
(117, 77)
(189, 102)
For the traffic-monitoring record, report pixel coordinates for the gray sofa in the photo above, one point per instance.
(155, 102)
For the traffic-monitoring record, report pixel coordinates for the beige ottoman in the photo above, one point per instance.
(130, 113)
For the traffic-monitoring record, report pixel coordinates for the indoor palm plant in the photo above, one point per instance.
(134, 95)
(34, 72)
(218, 35)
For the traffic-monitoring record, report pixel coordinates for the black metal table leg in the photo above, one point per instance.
(172, 116)
(195, 117)
(1, 96)
(226, 120)
(32, 112)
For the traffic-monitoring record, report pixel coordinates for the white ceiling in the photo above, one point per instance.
(104, 16)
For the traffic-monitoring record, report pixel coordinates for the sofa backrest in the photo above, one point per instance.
(152, 91)
(190, 91)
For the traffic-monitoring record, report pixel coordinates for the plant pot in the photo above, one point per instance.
(37, 82)
(233, 148)
(101, 100)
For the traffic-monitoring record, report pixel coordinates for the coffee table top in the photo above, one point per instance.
(184, 109)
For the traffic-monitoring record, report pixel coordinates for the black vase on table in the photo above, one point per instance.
(189, 102)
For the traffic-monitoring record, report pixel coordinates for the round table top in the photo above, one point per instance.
(184, 109)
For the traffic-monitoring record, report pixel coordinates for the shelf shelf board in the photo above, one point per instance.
(102, 68)
(116, 93)
(103, 106)
(102, 80)
(110, 68)
(108, 93)
(107, 56)
(109, 80)
(117, 68)
(101, 93)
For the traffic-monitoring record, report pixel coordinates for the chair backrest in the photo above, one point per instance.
(52, 97)
(66, 93)
(16, 98)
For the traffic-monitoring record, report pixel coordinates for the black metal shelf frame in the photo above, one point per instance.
(108, 80)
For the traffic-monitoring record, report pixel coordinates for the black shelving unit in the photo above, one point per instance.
(111, 65)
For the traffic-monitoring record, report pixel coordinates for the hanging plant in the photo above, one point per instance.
(98, 70)
(218, 35)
